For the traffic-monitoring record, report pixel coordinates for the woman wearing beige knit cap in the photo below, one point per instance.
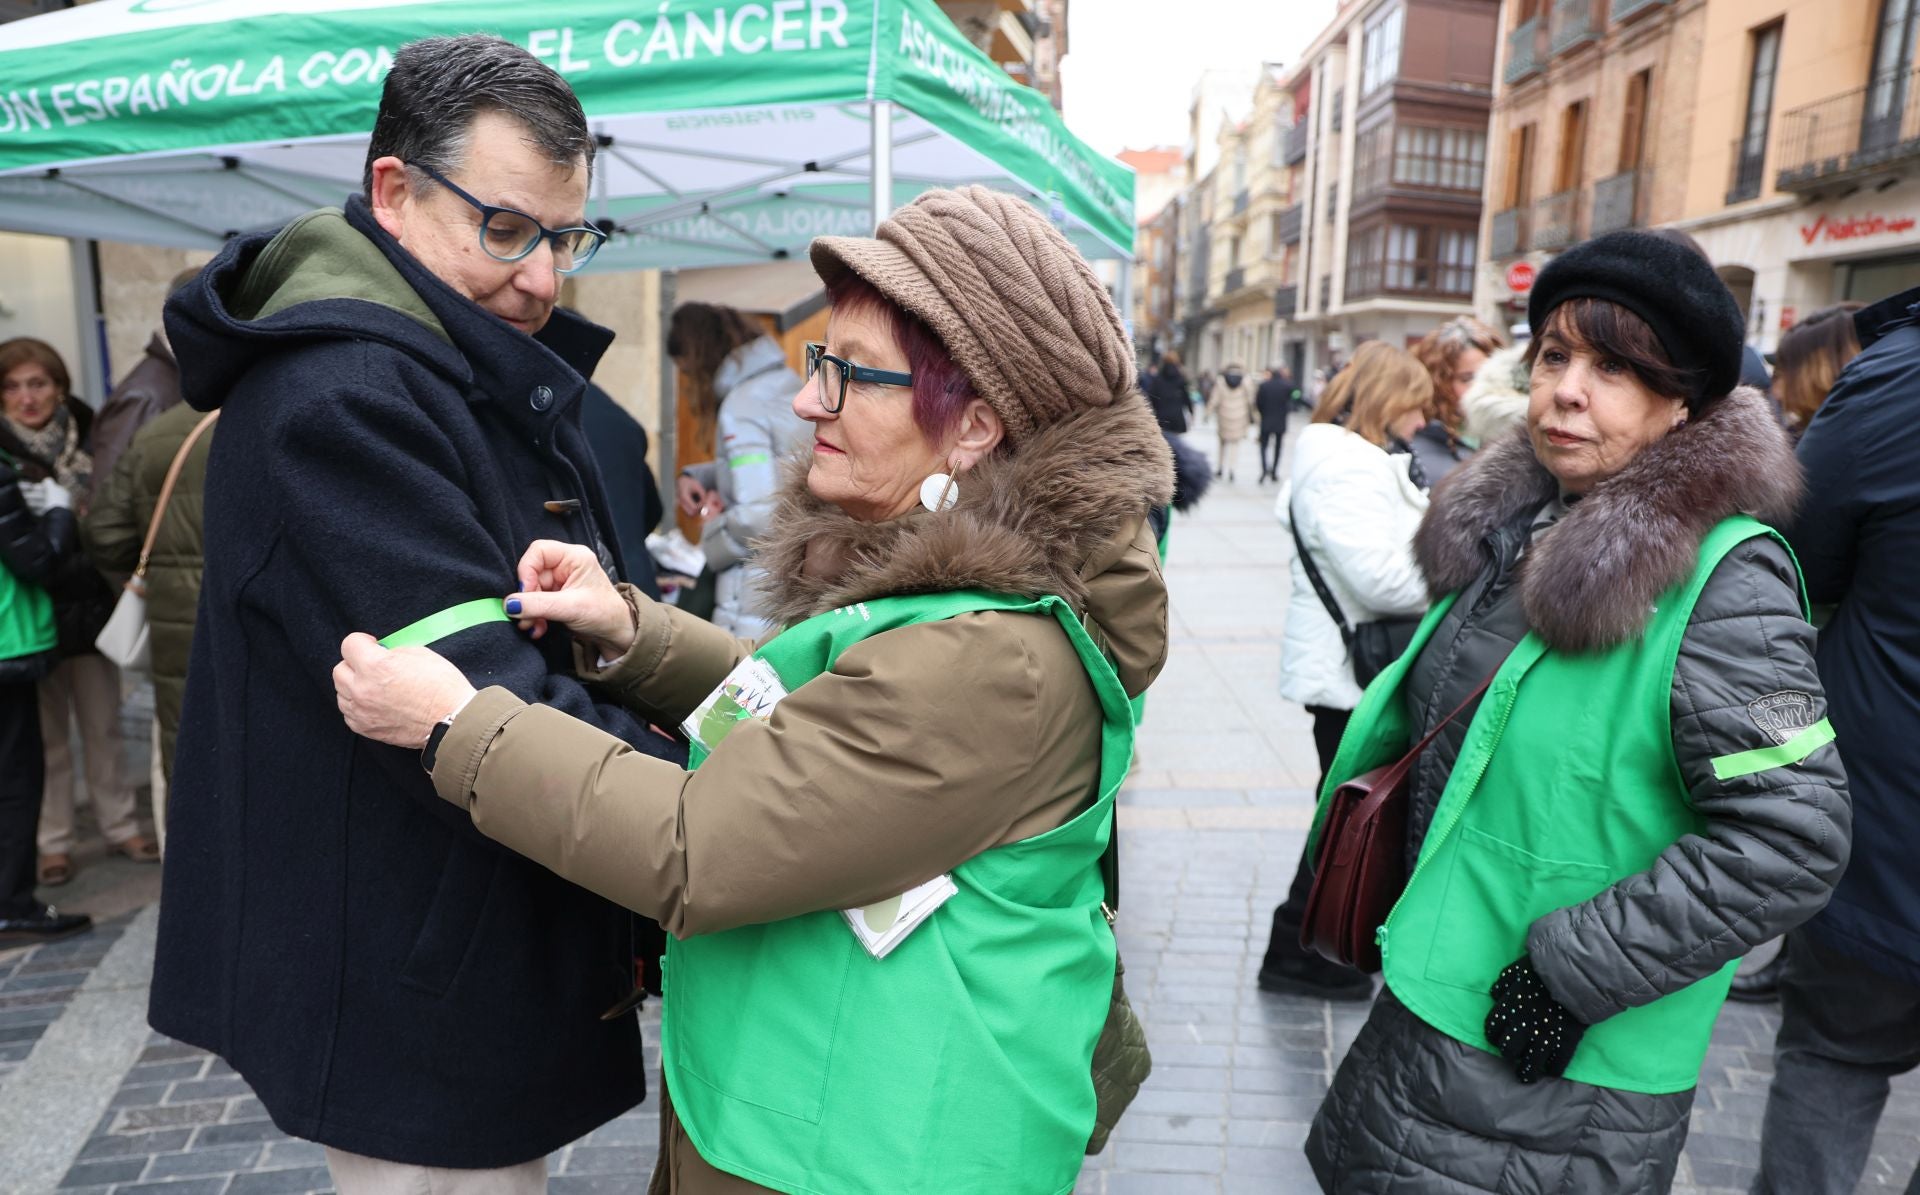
(884, 874)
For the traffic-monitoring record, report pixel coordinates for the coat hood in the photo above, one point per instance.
(1496, 402)
(1057, 515)
(748, 361)
(335, 274)
(1590, 581)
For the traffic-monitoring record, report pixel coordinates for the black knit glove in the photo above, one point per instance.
(1527, 1025)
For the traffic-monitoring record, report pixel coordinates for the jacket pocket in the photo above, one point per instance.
(453, 919)
(1494, 893)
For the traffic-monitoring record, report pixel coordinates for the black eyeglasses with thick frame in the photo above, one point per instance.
(832, 398)
(576, 246)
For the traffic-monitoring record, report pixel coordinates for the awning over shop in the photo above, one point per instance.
(730, 133)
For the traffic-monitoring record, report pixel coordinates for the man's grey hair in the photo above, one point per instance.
(438, 85)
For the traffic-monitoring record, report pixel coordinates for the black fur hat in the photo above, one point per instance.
(1667, 284)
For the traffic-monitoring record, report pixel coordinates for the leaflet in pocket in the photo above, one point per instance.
(751, 692)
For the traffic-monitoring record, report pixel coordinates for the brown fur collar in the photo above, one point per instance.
(1591, 580)
(1028, 523)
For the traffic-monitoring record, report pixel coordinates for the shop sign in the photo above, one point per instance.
(1520, 276)
(1830, 230)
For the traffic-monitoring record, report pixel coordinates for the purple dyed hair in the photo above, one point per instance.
(941, 389)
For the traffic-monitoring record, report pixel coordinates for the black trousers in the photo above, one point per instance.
(22, 780)
(1328, 726)
(1271, 434)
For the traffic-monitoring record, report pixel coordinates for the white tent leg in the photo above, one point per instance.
(882, 160)
(1123, 293)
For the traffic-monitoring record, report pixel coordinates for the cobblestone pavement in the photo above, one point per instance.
(1212, 824)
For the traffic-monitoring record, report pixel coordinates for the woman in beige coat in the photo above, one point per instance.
(956, 463)
(1232, 405)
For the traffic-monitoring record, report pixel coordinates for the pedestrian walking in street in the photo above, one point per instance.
(34, 549)
(46, 428)
(1273, 401)
(1231, 404)
(1453, 354)
(399, 417)
(1171, 402)
(1496, 402)
(1850, 997)
(1810, 359)
(740, 378)
(1351, 507)
(970, 595)
(118, 528)
(150, 389)
(1633, 781)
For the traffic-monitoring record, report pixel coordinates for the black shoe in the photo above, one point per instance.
(1303, 974)
(45, 924)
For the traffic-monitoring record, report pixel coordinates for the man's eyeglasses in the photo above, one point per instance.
(835, 372)
(509, 235)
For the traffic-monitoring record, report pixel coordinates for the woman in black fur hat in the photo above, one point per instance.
(1638, 783)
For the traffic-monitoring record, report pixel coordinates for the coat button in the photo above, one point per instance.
(541, 398)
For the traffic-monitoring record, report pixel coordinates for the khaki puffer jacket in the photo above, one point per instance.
(921, 748)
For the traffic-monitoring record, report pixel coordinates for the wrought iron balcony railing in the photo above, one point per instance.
(1618, 202)
(1575, 23)
(1748, 171)
(1854, 133)
(1523, 50)
(1622, 9)
(1508, 237)
(1236, 280)
(1286, 301)
(1290, 220)
(1296, 144)
(1556, 220)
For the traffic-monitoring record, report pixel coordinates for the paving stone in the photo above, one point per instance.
(282, 1155)
(1161, 1157)
(134, 1119)
(102, 1173)
(196, 1090)
(182, 1186)
(126, 1145)
(234, 1134)
(224, 1160)
(281, 1182)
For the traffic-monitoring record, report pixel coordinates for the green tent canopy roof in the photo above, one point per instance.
(730, 132)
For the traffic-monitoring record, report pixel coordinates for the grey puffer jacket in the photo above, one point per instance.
(1412, 1109)
(757, 430)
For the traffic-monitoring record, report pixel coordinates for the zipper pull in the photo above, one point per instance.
(1380, 940)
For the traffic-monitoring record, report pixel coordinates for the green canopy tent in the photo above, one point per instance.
(729, 132)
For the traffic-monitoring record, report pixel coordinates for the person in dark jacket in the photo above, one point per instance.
(1272, 401)
(400, 418)
(150, 389)
(1640, 784)
(1169, 398)
(33, 549)
(1850, 998)
(619, 446)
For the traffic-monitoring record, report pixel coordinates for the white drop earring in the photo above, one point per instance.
(941, 491)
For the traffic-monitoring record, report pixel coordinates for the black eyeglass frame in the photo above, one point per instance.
(849, 372)
(488, 211)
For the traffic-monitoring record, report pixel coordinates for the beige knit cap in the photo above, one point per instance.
(1010, 297)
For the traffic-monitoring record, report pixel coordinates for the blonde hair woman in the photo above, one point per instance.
(1352, 506)
(1809, 360)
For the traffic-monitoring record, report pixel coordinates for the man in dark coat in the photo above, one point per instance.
(1272, 401)
(400, 419)
(1850, 998)
(1168, 395)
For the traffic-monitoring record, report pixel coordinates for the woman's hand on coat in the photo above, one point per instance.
(564, 583)
(396, 696)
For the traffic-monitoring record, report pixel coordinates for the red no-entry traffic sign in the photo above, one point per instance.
(1520, 277)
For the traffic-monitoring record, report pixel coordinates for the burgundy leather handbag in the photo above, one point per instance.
(1360, 869)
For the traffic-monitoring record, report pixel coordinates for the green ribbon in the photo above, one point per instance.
(1795, 749)
(451, 621)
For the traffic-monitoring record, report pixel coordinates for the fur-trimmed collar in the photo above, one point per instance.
(1590, 581)
(1035, 521)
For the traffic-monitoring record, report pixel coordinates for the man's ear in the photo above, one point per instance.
(981, 431)
(392, 192)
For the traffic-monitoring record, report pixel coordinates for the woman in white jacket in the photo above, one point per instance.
(1355, 508)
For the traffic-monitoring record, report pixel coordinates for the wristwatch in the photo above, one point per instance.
(431, 751)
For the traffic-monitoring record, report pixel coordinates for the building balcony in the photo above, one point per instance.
(1326, 293)
(1290, 221)
(1339, 109)
(1508, 236)
(1236, 280)
(1865, 131)
(1619, 201)
(1748, 173)
(1241, 199)
(1556, 220)
(1295, 149)
(1523, 51)
(1575, 23)
(1286, 301)
(1623, 9)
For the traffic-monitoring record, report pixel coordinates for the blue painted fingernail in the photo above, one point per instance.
(513, 605)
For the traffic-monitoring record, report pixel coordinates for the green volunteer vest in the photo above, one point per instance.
(1553, 799)
(26, 615)
(961, 1062)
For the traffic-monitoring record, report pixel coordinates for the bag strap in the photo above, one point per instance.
(1318, 582)
(166, 490)
(1478, 690)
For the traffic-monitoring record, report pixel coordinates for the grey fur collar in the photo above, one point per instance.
(1590, 581)
(1028, 523)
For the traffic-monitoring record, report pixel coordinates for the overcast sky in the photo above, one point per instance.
(1131, 64)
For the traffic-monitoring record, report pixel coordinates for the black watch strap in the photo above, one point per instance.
(431, 752)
